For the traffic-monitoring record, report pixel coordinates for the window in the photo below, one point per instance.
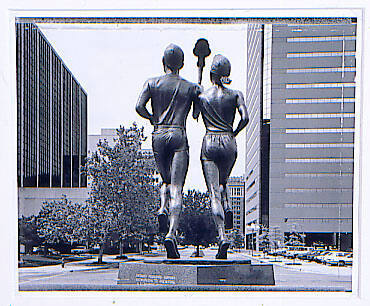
(323, 130)
(251, 185)
(320, 100)
(251, 197)
(319, 160)
(319, 54)
(321, 70)
(331, 174)
(298, 190)
(319, 115)
(317, 205)
(318, 145)
(320, 85)
(321, 38)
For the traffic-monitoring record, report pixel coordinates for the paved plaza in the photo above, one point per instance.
(302, 276)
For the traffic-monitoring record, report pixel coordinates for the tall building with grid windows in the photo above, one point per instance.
(51, 122)
(236, 187)
(307, 99)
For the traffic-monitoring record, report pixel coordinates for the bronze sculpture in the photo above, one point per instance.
(218, 105)
(171, 99)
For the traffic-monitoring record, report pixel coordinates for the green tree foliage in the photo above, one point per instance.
(294, 239)
(264, 237)
(123, 196)
(27, 233)
(236, 239)
(196, 224)
(63, 221)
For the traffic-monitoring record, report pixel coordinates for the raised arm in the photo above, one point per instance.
(196, 102)
(143, 100)
(242, 109)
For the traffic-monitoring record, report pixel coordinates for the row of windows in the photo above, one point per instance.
(320, 100)
(236, 191)
(321, 38)
(335, 205)
(321, 70)
(320, 85)
(319, 115)
(323, 130)
(251, 210)
(319, 160)
(328, 174)
(318, 145)
(251, 185)
(299, 190)
(319, 54)
(322, 220)
(251, 197)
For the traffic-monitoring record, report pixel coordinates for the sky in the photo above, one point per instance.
(112, 62)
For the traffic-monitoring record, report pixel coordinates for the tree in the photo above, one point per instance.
(236, 239)
(123, 196)
(276, 237)
(27, 233)
(264, 237)
(196, 224)
(63, 221)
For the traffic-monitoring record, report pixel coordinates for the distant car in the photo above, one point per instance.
(294, 252)
(337, 258)
(311, 255)
(318, 258)
(213, 248)
(278, 252)
(79, 250)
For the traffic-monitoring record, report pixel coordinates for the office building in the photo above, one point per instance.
(306, 131)
(51, 123)
(236, 187)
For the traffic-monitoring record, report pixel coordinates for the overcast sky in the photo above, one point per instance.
(112, 62)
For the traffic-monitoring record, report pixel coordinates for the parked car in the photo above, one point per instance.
(336, 258)
(311, 255)
(294, 252)
(318, 258)
(79, 250)
(277, 252)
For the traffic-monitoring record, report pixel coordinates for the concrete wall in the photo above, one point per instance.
(30, 200)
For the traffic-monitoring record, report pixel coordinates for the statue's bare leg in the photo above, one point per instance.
(211, 175)
(163, 210)
(225, 199)
(164, 170)
(179, 168)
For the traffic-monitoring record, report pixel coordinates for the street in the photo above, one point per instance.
(302, 276)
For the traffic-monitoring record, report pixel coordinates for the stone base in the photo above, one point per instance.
(224, 273)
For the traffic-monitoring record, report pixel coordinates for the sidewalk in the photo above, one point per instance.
(301, 265)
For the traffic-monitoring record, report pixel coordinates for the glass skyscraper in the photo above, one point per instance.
(52, 115)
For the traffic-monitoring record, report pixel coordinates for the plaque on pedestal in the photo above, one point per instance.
(195, 272)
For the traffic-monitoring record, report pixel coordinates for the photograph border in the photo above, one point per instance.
(357, 222)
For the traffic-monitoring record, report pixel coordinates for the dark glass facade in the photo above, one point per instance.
(51, 115)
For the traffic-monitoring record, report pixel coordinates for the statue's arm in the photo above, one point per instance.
(242, 109)
(196, 102)
(142, 101)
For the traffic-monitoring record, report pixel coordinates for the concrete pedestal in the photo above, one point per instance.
(195, 272)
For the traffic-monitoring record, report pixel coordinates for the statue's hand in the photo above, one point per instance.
(151, 119)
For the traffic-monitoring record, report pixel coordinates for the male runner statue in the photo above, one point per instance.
(218, 105)
(171, 99)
